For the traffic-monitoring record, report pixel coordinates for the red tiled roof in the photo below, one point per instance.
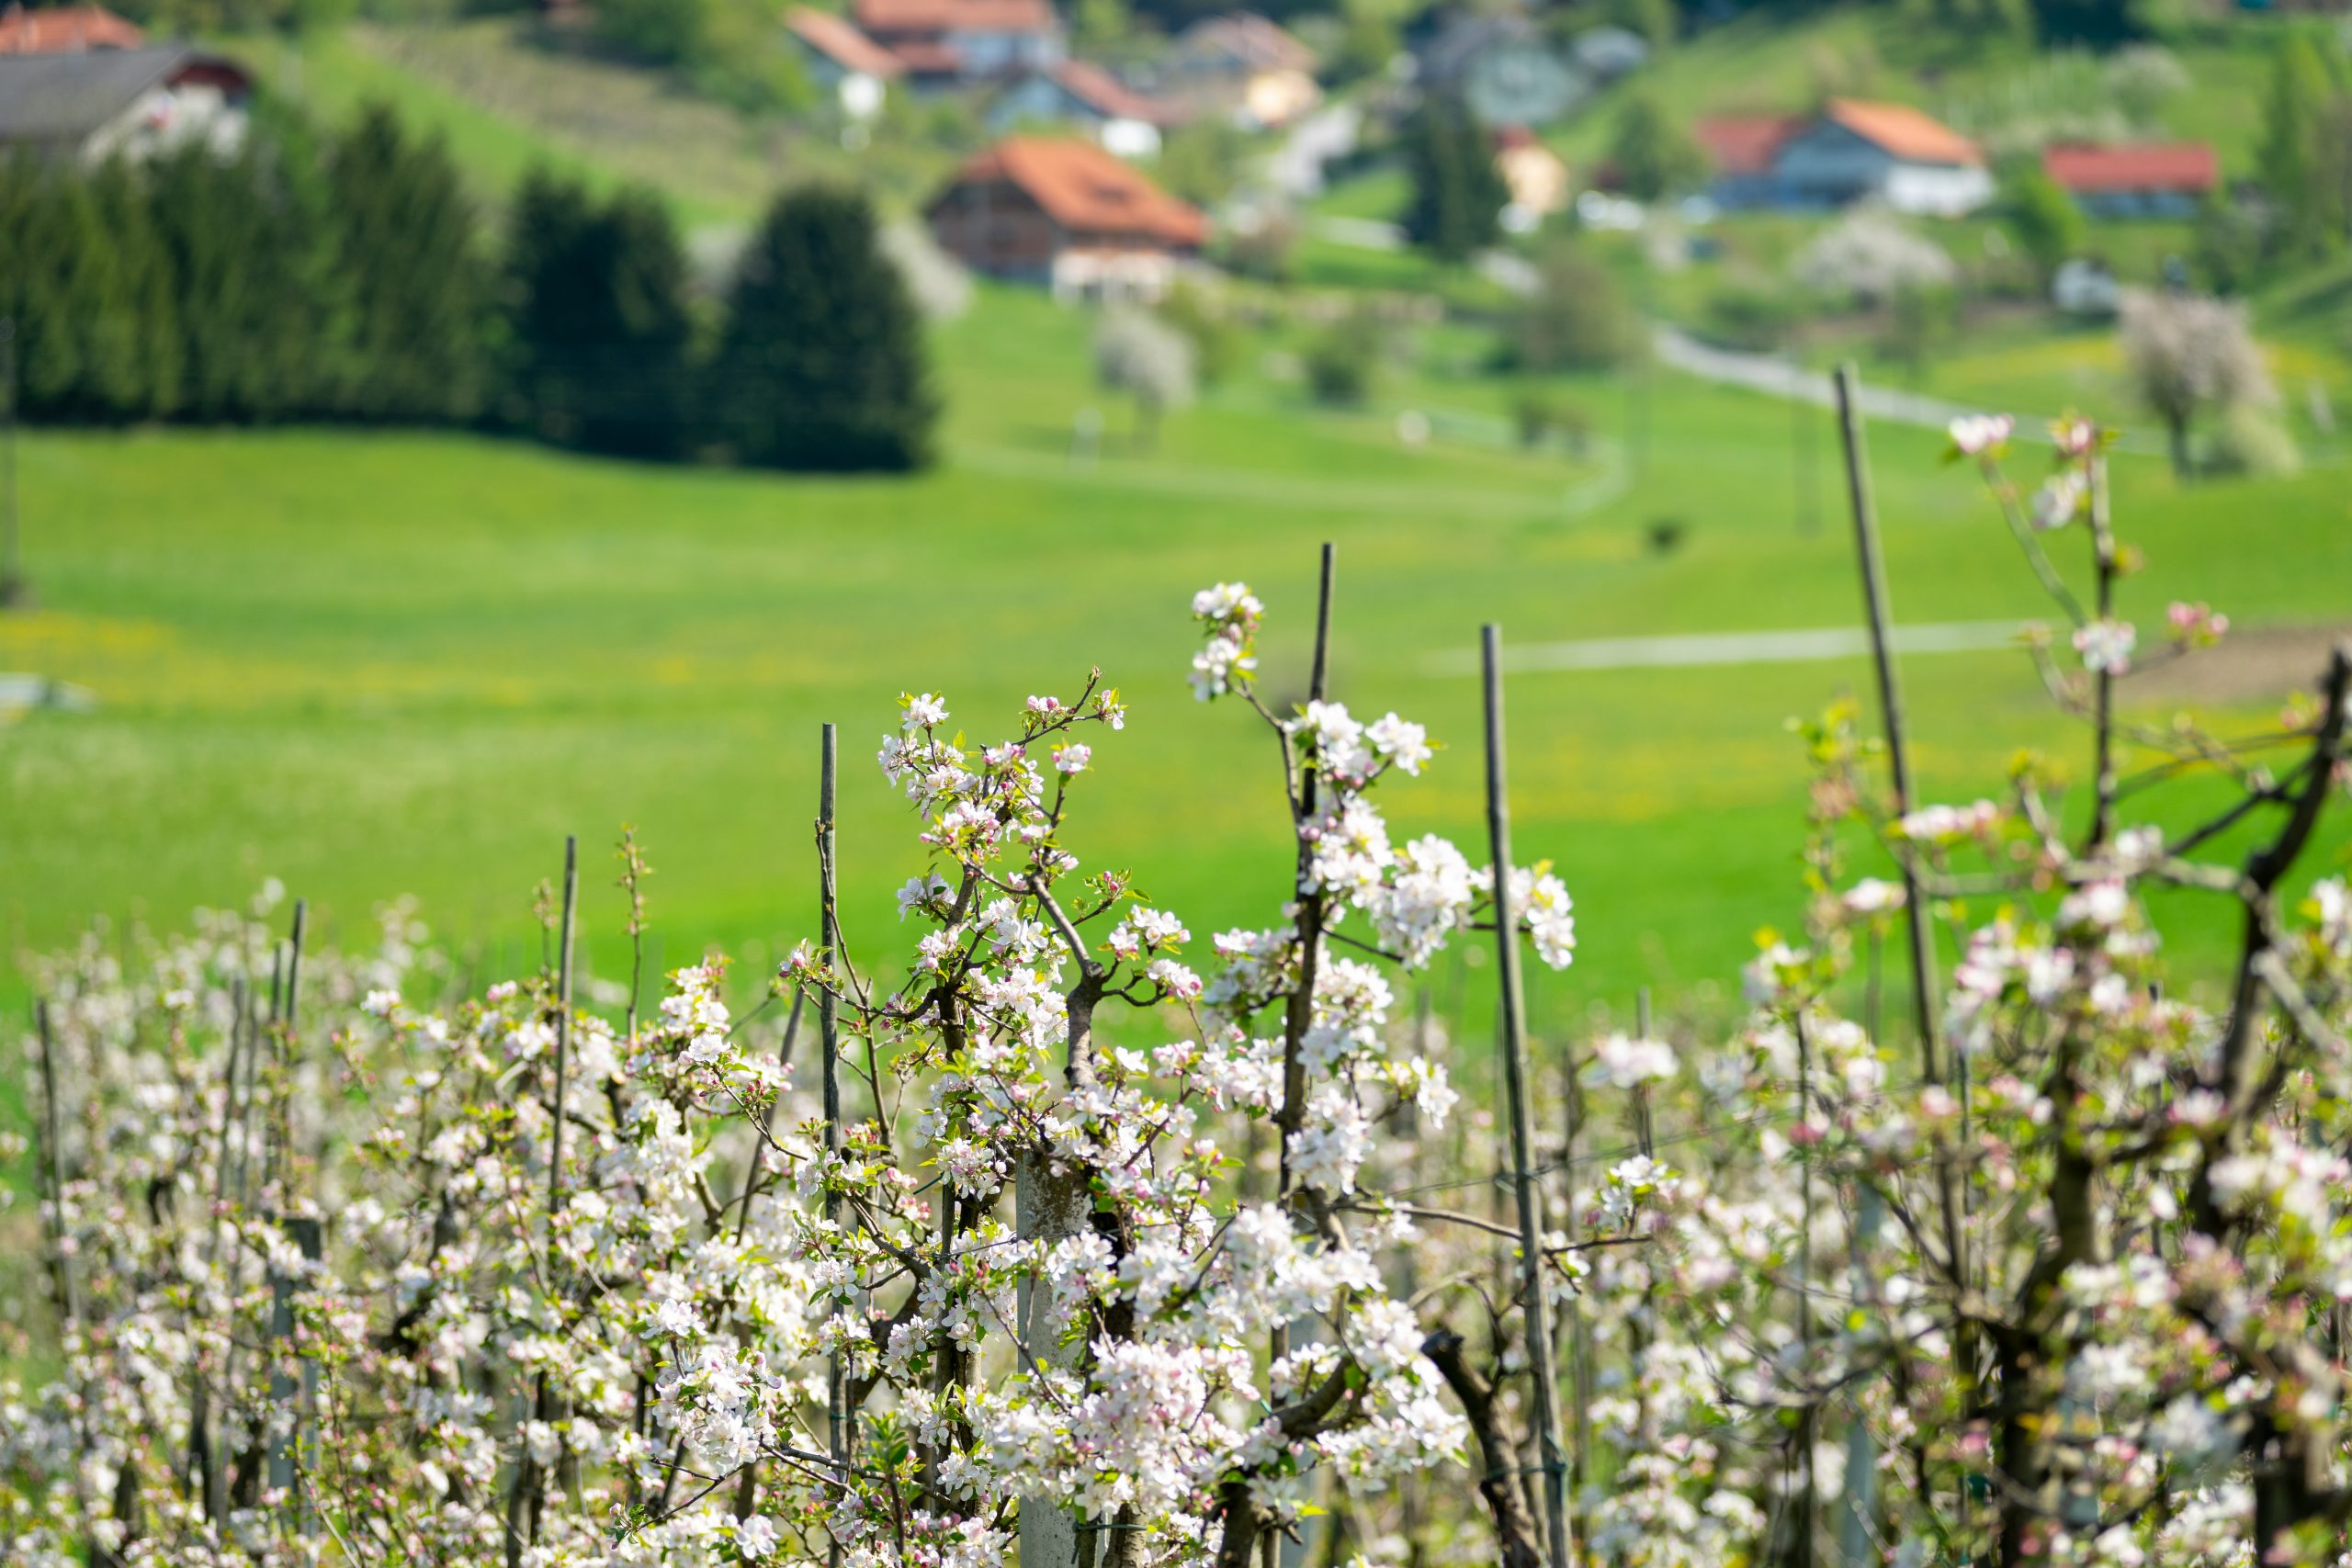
(1106, 95)
(879, 16)
(1905, 132)
(2146, 165)
(842, 43)
(1081, 187)
(1744, 144)
(66, 29)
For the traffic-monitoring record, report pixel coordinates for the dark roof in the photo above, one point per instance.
(1448, 55)
(64, 97)
(1106, 95)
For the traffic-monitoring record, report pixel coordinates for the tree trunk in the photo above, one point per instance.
(1506, 1501)
(1047, 1207)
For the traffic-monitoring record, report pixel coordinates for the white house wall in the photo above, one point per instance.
(1937, 191)
(166, 119)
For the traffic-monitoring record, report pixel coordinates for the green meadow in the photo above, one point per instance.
(375, 664)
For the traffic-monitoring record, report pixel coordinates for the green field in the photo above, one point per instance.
(385, 664)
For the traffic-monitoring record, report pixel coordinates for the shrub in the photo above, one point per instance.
(1752, 315)
(1652, 153)
(1538, 415)
(2254, 442)
(1577, 319)
(1216, 342)
(1341, 362)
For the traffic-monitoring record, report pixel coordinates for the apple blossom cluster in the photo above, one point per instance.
(1136, 1284)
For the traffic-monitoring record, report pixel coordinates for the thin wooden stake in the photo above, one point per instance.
(1523, 1130)
(199, 1474)
(1642, 1132)
(1580, 1325)
(562, 1021)
(68, 1295)
(1890, 701)
(288, 1031)
(294, 964)
(1808, 1500)
(1932, 1069)
(829, 1037)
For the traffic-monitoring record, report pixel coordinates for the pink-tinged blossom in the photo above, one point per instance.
(1073, 757)
(2098, 906)
(2073, 436)
(2106, 645)
(1621, 1061)
(1231, 613)
(1981, 435)
(2059, 500)
(1872, 895)
(1401, 741)
(1949, 824)
(2198, 625)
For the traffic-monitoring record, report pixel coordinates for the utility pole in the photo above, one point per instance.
(14, 590)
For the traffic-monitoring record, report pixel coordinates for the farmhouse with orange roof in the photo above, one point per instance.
(1851, 150)
(1068, 216)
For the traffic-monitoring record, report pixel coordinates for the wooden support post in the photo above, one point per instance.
(1951, 1192)
(830, 1045)
(1522, 1131)
(562, 1023)
(1881, 617)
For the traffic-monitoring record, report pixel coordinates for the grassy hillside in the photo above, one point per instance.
(507, 98)
(384, 665)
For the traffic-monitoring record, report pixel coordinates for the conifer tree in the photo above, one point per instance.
(1655, 156)
(820, 363)
(148, 324)
(1457, 194)
(404, 247)
(259, 326)
(600, 326)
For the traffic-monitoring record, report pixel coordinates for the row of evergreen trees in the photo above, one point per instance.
(348, 278)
